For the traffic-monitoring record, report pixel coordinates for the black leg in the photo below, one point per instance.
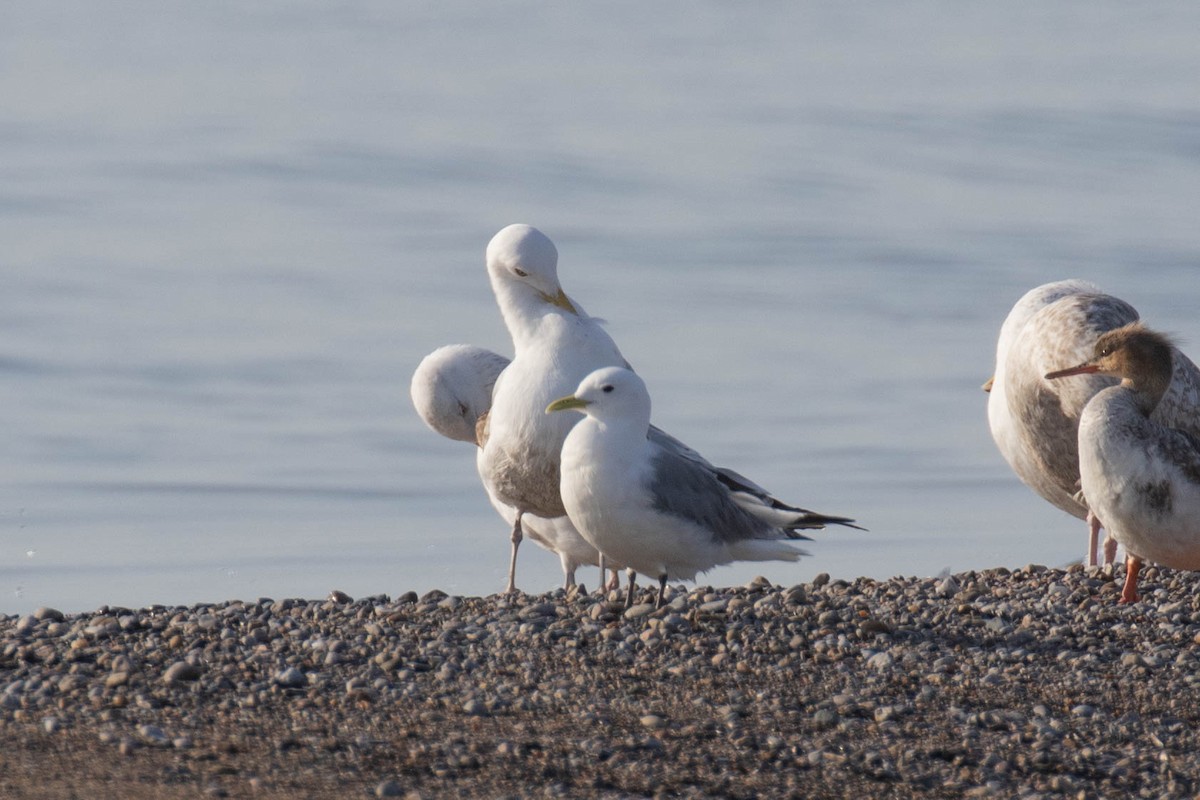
(662, 589)
(629, 595)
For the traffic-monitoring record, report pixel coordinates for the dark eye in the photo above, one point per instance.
(607, 389)
(520, 273)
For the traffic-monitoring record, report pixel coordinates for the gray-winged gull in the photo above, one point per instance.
(658, 512)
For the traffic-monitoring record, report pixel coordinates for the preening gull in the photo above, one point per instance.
(1140, 476)
(661, 513)
(452, 392)
(1035, 421)
(556, 344)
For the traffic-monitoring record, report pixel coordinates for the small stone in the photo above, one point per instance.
(474, 708)
(638, 611)
(880, 661)
(153, 735)
(340, 597)
(50, 724)
(825, 718)
(117, 679)
(389, 789)
(45, 612)
(653, 722)
(290, 678)
(181, 671)
(538, 610)
(871, 626)
(821, 579)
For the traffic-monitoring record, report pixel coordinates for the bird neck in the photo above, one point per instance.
(1149, 386)
(522, 309)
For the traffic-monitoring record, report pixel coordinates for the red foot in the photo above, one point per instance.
(1133, 566)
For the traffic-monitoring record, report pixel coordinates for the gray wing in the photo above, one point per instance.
(1179, 408)
(682, 487)
(739, 484)
(1182, 450)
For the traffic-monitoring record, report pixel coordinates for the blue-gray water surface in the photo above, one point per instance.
(229, 233)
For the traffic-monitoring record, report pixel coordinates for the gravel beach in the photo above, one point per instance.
(1026, 683)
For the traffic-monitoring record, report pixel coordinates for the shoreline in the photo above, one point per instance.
(1029, 682)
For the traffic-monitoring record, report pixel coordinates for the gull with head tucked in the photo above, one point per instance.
(557, 344)
(1035, 421)
(655, 510)
(452, 392)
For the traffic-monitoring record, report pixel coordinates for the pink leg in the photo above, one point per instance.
(1110, 549)
(1133, 565)
(1093, 537)
(512, 563)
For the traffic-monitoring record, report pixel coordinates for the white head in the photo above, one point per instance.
(452, 388)
(522, 264)
(610, 395)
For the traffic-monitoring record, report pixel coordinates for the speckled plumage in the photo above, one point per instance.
(1034, 421)
(1139, 474)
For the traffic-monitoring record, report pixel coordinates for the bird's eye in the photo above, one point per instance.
(520, 273)
(607, 389)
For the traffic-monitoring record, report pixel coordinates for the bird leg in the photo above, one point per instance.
(512, 564)
(568, 571)
(1133, 565)
(604, 586)
(632, 582)
(614, 582)
(1093, 537)
(1110, 549)
(662, 590)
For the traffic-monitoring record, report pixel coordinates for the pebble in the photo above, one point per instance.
(639, 611)
(290, 678)
(987, 683)
(181, 671)
(389, 788)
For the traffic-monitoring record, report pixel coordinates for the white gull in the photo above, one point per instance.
(556, 345)
(452, 392)
(661, 513)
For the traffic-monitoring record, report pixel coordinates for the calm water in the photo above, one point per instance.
(229, 236)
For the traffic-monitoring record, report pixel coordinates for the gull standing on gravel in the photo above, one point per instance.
(452, 392)
(661, 513)
(556, 344)
(1140, 476)
(1035, 421)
